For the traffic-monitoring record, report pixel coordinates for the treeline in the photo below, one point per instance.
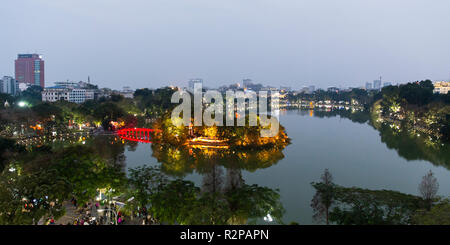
(335, 204)
(412, 104)
(58, 115)
(417, 107)
(361, 96)
(38, 185)
(35, 184)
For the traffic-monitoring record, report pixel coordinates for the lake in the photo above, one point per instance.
(355, 153)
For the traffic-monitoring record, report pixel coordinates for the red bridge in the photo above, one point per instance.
(137, 134)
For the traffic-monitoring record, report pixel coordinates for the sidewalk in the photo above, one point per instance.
(70, 215)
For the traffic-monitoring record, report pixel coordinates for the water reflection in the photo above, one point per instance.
(412, 147)
(180, 161)
(223, 197)
(408, 144)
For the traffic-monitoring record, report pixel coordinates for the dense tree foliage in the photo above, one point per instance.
(358, 206)
(154, 102)
(32, 95)
(8, 150)
(34, 184)
(181, 202)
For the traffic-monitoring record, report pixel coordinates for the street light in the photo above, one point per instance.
(117, 203)
(109, 210)
(22, 103)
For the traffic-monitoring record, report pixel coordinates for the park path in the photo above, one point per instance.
(70, 215)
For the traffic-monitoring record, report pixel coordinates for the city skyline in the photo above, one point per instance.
(154, 44)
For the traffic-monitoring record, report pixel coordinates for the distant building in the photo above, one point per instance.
(127, 92)
(304, 89)
(368, 86)
(333, 89)
(9, 85)
(311, 89)
(55, 93)
(192, 83)
(68, 91)
(255, 87)
(103, 93)
(377, 84)
(247, 82)
(29, 68)
(386, 84)
(67, 84)
(441, 87)
(268, 88)
(285, 89)
(79, 95)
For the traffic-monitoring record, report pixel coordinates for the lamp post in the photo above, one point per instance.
(109, 210)
(116, 213)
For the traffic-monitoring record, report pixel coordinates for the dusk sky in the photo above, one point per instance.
(152, 43)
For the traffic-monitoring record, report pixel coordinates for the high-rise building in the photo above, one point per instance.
(377, 84)
(30, 69)
(9, 85)
(387, 84)
(192, 83)
(368, 86)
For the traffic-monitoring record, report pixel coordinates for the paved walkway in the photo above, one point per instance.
(70, 216)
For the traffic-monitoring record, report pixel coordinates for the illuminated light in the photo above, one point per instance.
(268, 218)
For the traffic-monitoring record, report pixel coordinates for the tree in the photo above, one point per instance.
(144, 182)
(8, 149)
(428, 188)
(26, 198)
(33, 95)
(176, 202)
(439, 214)
(357, 206)
(87, 172)
(324, 197)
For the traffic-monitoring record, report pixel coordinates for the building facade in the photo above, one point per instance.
(56, 93)
(67, 91)
(192, 83)
(127, 92)
(9, 85)
(377, 84)
(29, 68)
(441, 87)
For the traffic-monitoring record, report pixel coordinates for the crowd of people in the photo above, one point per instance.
(96, 213)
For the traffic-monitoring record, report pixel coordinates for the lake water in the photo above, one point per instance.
(356, 154)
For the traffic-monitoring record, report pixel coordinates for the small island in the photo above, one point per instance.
(225, 137)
